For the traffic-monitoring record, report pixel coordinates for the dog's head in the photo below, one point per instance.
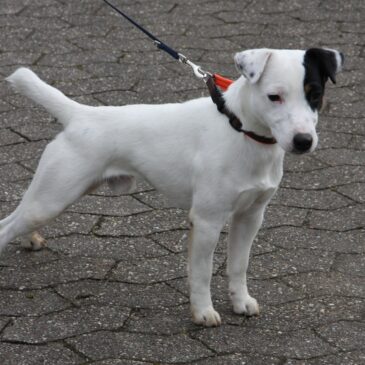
(286, 91)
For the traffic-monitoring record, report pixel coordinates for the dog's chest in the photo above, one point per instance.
(256, 197)
(258, 183)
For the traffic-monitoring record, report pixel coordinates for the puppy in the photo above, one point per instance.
(189, 152)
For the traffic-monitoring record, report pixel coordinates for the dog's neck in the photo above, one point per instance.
(237, 101)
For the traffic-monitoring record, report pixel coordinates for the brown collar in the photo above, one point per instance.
(235, 123)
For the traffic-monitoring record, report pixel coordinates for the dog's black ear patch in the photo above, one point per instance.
(324, 61)
(320, 64)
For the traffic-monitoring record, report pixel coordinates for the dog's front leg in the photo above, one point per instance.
(204, 235)
(243, 230)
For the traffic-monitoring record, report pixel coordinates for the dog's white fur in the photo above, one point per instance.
(187, 151)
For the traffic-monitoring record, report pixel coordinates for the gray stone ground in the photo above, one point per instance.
(110, 289)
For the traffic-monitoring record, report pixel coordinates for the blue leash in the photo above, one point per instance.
(158, 43)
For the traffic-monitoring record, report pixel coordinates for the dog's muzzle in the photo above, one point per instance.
(302, 142)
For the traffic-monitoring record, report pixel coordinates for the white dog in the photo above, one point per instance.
(189, 152)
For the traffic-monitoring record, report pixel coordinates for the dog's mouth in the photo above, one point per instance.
(298, 152)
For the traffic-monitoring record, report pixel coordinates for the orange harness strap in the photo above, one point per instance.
(222, 82)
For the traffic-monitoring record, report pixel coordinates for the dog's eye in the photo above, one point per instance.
(275, 98)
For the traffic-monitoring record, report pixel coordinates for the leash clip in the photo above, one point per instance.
(198, 71)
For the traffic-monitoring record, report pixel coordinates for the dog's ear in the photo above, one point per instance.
(327, 61)
(251, 63)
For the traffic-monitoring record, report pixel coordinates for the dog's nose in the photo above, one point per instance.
(302, 142)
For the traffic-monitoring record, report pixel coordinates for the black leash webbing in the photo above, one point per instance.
(161, 45)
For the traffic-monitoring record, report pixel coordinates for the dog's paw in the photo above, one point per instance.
(247, 306)
(207, 317)
(34, 242)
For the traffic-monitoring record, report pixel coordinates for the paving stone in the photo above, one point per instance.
(79, 58)
(309, 199)
(175, 241)
(282, 216)
(144, 223)
(334, 220)
(88, 30)
(52, 273)
(70, 223)
(293, 238)
(34, 42)
(300, 344)
(4, 107)
(121, 362)
(177, 84)
(282, 262)
(353, 191)
(336, 157)
(65, 324)
(11, 7)
(6, 208)
(239, 359)
(259, 246)
(3, 323)
(121, 249)
(305, 163)
(308, 313)
(30, 303)
(16, 100)
(357, 143)
(18, 58)
(160, 269)
(350, 264)
(332, 140)
(173, 349)
(343, 125)
(332, 283)
(30, 164)
(88, 292)
(113, 206)
(153, 270)
(19, 152)
(13, 172)
(346, 335)
(7, 137)
(155, 200)
(28, 22)
(346, 110)
(149, 72)
(94, 86)
(324, 178)
(16, 256)
(163, 321)
(36, 131)
(273, 292)
(55, 354)
(348, 358)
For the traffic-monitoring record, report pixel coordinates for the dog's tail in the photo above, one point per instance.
(29, 84)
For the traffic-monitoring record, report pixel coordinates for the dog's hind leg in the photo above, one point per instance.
(33, 241)
(61, 178)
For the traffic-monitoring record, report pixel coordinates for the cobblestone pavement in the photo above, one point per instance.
(110, 288)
